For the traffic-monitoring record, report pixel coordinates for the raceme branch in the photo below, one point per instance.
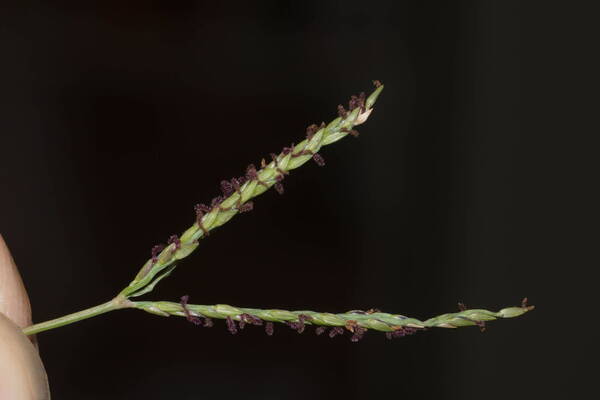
(357, 322)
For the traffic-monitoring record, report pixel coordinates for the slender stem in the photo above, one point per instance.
(114, 304)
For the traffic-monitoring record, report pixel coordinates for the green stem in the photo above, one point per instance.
(114, 304)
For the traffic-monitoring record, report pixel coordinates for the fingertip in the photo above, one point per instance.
(14, 302)
(22, 374)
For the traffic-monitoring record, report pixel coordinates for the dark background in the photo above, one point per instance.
(472, 181)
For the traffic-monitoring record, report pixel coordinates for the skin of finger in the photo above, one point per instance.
(14, 302)
(22, 374)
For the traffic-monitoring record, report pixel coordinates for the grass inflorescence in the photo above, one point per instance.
(235, 198)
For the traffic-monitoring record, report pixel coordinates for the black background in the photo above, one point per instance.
(472, 181)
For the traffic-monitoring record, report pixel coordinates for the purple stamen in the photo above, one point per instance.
(269, 328)
(156, 251)
(175, 239)
(481, 325)
(279, 187)
(319, 159)
(395, 334)
(410, 331)
(188, 315)
(249, 206)
(359, 332)
(302, 318)
(251, 172)
(242, 179)
(235, 184)
(226, 188)
(231, 327)
(352, 132)
(201, 208)
(250, 319)
(296, 326)
(336, 330)
(216, 201)
(287, 150)
(311, 130)
(357, 101)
